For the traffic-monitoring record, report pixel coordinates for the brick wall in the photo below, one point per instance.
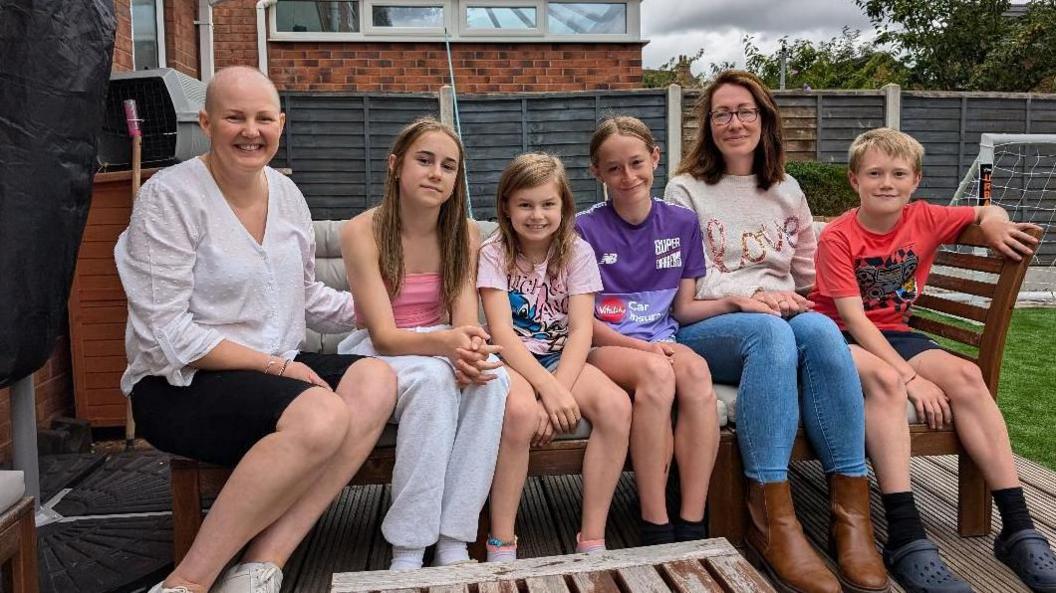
(123, 40)
(181, 37)
(422, 67)
(235, 33)
(479, 67)
(53, 383)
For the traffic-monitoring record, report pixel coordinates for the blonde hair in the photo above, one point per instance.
(624, 125)
(525, 172)
(705, 160)
(452, 226)
(891, 142)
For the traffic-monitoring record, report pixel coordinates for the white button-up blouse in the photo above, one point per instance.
(194, 276)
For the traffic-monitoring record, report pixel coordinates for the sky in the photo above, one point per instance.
(676, 27)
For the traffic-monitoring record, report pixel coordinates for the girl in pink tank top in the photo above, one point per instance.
(411, 264)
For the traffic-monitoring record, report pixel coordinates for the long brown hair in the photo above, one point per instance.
(525, 172)
(452, 226)
(706, 162)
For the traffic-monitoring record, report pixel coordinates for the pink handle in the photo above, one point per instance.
(132, 118)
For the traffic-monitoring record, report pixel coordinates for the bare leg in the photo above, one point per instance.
(651, 380)
(368, 389)
(271, 477)
(697, 430)
(976, 417)
(609, 411)
(886, 429)
(511, 469)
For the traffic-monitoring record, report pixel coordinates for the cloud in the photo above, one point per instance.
(676, 27)
(757, 16)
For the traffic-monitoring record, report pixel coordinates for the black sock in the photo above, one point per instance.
(689, 530)
(1013, 508)
(653, 534)
(903, 520)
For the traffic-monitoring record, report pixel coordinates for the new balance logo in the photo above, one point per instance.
(608, 258)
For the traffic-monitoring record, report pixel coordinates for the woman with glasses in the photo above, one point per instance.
(790, 363)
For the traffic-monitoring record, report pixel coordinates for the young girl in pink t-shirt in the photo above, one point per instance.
(537, 281)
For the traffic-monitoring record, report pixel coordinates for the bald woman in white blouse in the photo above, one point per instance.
(218, 266)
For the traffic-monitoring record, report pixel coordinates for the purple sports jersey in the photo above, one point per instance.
(641, 265)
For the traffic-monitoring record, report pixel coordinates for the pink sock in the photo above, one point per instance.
(500, 551)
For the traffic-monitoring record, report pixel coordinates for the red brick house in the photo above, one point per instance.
(392, 45)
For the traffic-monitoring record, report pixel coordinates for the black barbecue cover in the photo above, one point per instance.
(54, 68)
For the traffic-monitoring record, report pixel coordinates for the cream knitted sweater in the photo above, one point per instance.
(753, 239)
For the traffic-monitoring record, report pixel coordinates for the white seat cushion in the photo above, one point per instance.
(12, 489)
(727, 394)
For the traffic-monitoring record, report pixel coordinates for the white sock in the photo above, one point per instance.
(450, 551)
(406, 558)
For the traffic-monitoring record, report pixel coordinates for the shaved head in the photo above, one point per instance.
(235, 77)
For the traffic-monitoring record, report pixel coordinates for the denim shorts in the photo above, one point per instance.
(907, 344)
(550, 360)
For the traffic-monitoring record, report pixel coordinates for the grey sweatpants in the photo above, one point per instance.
(446, 446)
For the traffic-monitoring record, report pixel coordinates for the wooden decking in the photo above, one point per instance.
(348, 536)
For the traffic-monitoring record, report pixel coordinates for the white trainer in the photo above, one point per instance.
(250, 577)
(159, 589)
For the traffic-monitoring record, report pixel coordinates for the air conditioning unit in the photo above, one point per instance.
(168, 102)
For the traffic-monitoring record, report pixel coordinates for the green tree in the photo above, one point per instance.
(944, 42)
(1025, 59)
(679, 70)
(845, 61)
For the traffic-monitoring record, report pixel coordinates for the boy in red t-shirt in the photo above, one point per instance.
(871, 266)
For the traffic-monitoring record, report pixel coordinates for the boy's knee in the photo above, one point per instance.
(967, 382)
(883, 384)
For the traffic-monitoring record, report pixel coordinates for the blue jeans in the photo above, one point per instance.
(785, 369)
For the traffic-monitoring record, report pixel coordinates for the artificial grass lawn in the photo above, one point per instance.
(1027, 391)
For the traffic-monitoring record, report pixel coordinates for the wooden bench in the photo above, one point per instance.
(193, 482)
(983, 292)
(703, 566)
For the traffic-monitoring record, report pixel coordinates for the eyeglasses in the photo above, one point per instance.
(746, 116)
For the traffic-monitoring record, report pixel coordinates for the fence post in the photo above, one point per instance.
(447, 105)
(892, 106)
(674, 128)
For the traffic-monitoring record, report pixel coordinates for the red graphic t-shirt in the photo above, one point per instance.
(887, 270)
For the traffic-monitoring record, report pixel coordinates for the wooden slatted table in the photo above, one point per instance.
(704, 566)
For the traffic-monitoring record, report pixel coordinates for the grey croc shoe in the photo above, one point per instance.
(1028, 554)
(918, 567)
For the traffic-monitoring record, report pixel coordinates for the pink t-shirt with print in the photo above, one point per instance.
(539, 303)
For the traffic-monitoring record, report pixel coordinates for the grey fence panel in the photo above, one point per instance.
(496, 129)
(337, 145)
(841, 117)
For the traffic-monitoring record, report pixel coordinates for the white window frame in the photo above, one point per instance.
(371, 31)
(457, 27)
(159, 23)
(632, 24)
(275, 35)
(540, 18)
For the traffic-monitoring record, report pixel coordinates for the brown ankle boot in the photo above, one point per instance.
(851, 540)
(776, 540)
